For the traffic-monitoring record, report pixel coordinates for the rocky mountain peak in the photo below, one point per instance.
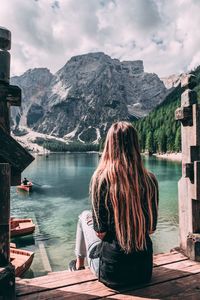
(86, 96)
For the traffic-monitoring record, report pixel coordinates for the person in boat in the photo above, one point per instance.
(115, 235)
(25, 181)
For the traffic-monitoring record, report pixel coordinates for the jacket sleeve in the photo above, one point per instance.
(100, 211)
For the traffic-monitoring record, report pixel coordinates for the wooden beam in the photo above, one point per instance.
(14, 95)
(12, 152)
(10, 93)
(5, 214)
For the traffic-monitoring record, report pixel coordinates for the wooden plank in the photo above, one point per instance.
(127, 297)
(25, 286)
(59, 279)
(56, 276)
(168, 258)
(160, 275)
(159, 259)
(179, 288)
(90, 289)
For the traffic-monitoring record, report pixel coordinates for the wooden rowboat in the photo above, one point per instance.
(21, 260)
(25, 187)
(19, 227)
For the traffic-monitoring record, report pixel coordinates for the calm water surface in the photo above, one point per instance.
(61, 193)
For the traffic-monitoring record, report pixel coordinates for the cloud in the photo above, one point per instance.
(46, 33)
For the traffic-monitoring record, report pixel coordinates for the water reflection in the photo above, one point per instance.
(61, 194)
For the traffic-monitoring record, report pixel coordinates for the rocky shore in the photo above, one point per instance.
(170, 156)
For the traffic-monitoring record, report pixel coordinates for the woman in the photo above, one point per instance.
(115, 235)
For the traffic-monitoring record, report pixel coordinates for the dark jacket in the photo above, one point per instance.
(117, 268)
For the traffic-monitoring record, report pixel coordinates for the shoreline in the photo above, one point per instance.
(28, 142)
(176, 157)
(169, 156)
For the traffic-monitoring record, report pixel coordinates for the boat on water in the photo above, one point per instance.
(20, 227)
(20, 259)
(25, 187)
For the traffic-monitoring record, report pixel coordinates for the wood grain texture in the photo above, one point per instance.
(170, 270)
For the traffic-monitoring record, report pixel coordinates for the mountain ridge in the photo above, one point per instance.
(88, 94)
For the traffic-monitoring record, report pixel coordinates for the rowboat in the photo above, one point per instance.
(19, 227)
(21, 260)
(25, 187)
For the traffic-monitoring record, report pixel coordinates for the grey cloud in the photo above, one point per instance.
(157, 40)
(144, 13)
(28, 22)
(55, 5)
(48, 32)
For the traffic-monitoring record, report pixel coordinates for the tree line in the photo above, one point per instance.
(59, 146)
(159, 131)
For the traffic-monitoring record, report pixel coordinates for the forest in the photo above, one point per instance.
(57, 146)
(159, 132)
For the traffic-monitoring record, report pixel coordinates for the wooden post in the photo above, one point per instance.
(5, 214)
(7, 271)
(189, 184)
(13, 160)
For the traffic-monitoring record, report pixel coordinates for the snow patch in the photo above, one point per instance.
(105, 125)
(79, 139)
(28, 140)
(72, 134)
(98, 136)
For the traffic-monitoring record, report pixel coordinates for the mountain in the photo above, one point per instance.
(172, 80)
(159, 132)
(34, 84)
(86, 96)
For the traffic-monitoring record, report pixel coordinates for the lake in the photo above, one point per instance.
(61, 193)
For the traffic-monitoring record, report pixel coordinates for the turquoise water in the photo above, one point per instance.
(61, 193)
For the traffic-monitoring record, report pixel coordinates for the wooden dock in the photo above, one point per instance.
(174, 277)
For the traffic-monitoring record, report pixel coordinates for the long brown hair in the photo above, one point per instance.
(127, 181)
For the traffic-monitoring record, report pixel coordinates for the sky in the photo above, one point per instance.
(47, 33)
